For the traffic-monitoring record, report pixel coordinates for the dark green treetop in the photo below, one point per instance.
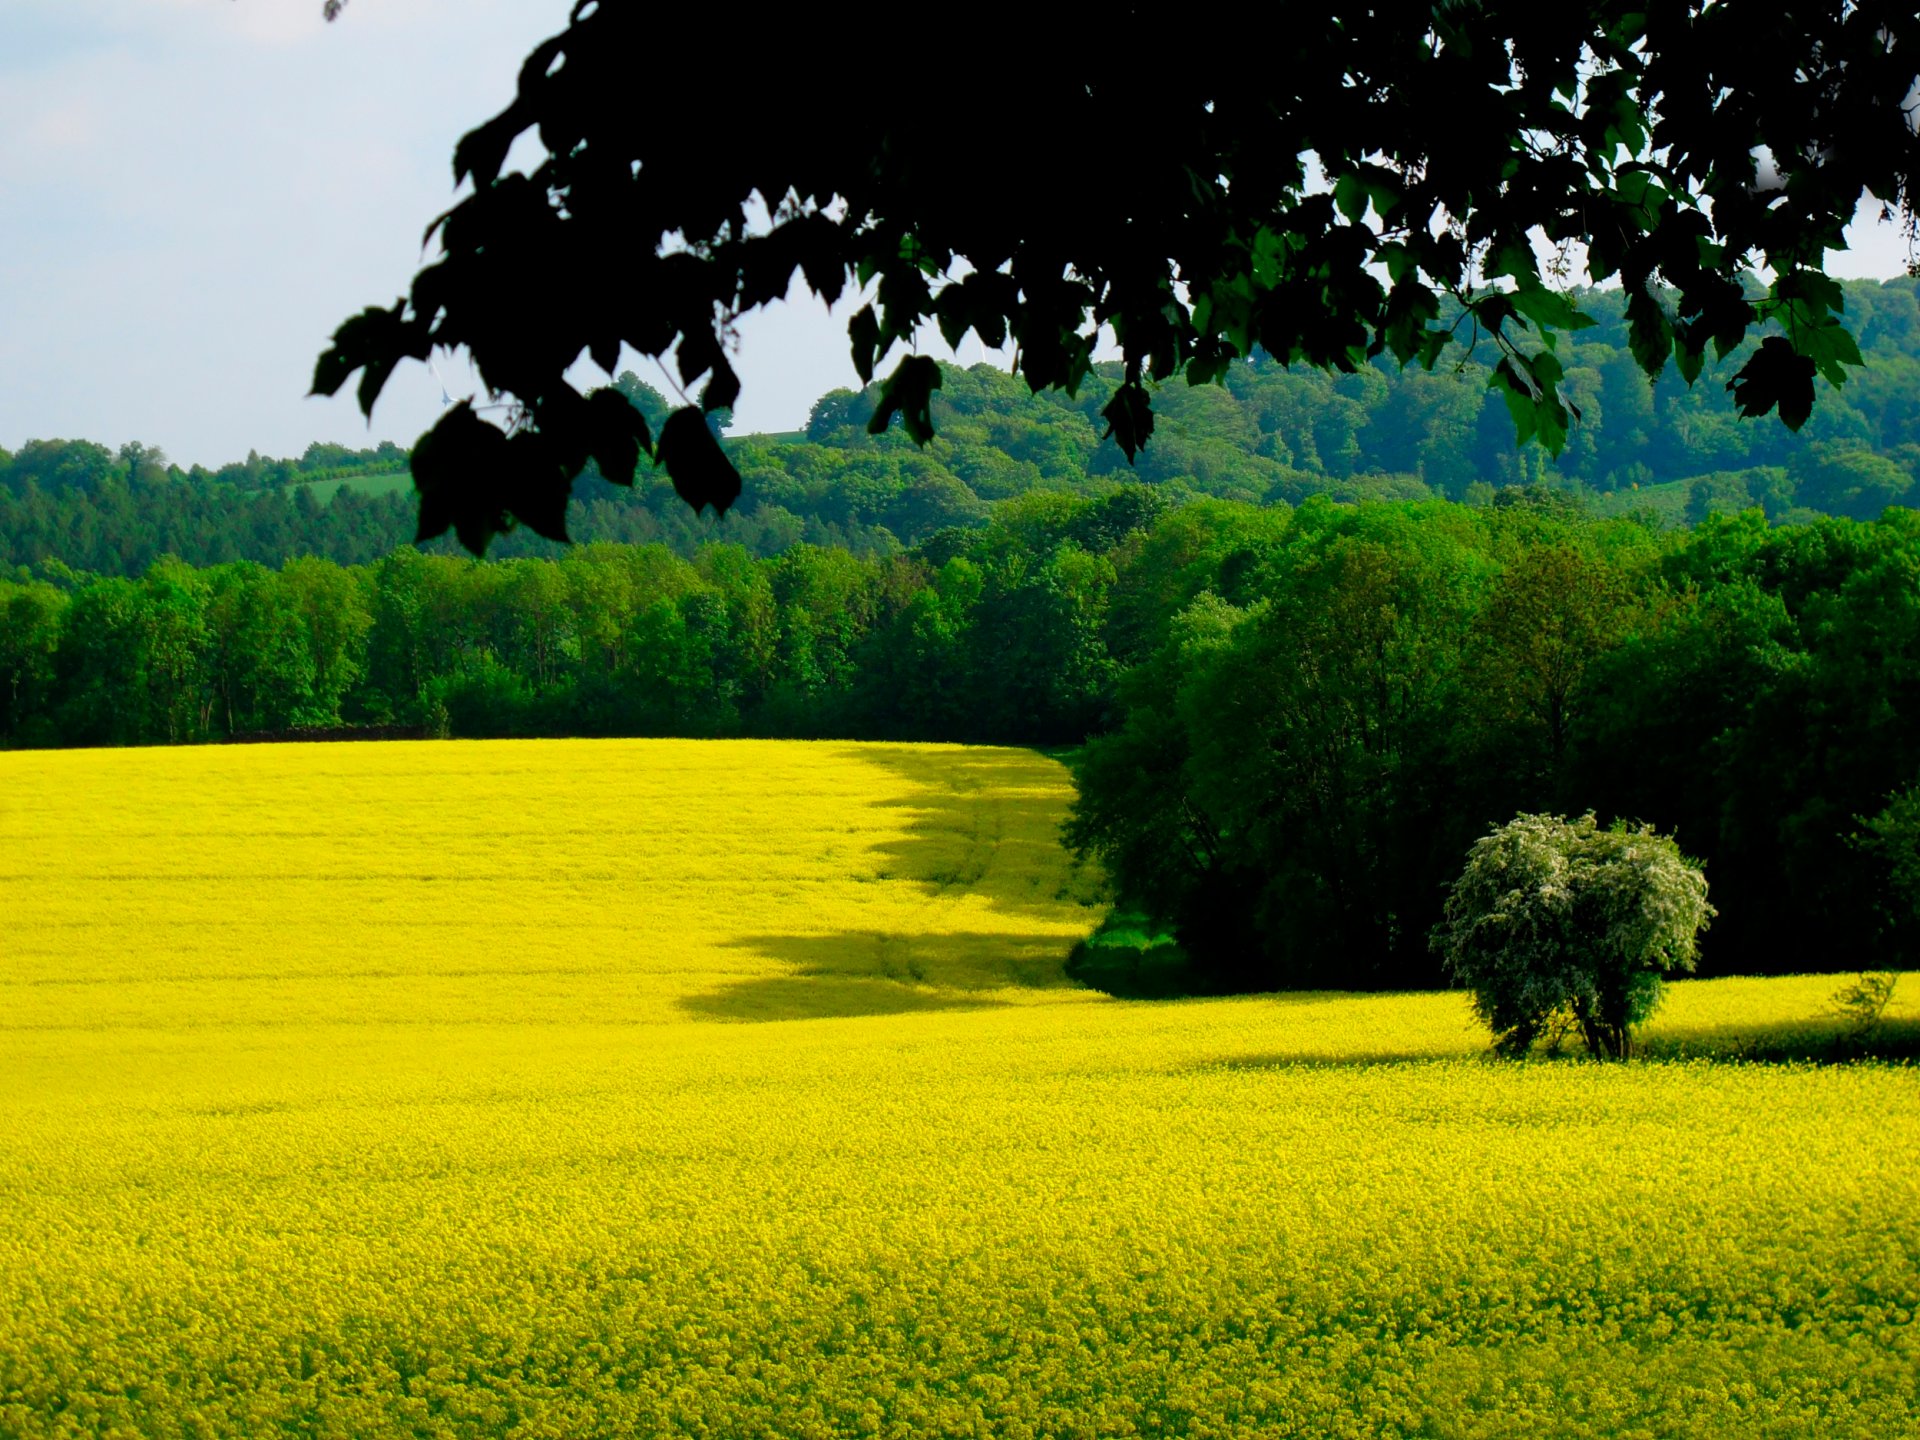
(1328, 184)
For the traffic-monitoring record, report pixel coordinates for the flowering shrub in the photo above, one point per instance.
(1556, 921)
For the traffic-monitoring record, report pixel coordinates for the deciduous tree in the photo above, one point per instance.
(1355, 182)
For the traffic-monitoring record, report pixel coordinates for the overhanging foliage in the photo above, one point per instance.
(1319, 203)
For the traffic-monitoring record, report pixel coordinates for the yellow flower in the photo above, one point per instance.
(665, 1087)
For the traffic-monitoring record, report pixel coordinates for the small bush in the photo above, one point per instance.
(1863, 1004)
(1558, 924)
(1131, 958)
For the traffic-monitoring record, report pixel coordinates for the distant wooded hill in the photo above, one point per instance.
(1267, 435)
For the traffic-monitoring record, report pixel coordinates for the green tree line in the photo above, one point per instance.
(1265, 435)
(1319, 717)
(1300, 718)
(979, 633)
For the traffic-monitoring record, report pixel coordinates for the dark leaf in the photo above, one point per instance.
(1129, 417)
(1493, 310)
(864, 331)
(534, 75)
(538, 486)
(1689, 360)
(1209, 362)
(1411, 307)
(1548, 308)
(1530, 386)
(954, 316)
(1830, 346)
(722, 390)
(1649, 331)
(1819, 293)
(459, 471)
(618, 433)
(698, 352)
(373, 342)
(702, 474)
(908, 391)
(817, 245)
(483, 150)
(374, 337)
(766, 266)
(1776, 375)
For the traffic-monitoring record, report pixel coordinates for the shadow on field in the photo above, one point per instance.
(877, 974)
(1820, 1041)
(981, 823)
(1318, 1060)
(1803, 1042)
(986, 821)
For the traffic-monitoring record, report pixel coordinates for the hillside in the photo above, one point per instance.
(733, 1089)
(1266, 436)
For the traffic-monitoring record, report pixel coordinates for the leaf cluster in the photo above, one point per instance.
(1447, 140)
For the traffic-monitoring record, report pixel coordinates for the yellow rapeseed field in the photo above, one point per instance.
(735, 1089)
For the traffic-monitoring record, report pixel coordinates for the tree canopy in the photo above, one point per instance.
(1382, 181)
(1565, 921)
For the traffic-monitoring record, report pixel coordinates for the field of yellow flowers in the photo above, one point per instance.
(735, 1089)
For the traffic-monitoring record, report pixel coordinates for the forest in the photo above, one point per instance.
(1297, 711)
(1267, 434)
(1299, 717)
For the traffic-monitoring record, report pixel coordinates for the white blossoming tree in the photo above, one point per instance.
(1561, 922)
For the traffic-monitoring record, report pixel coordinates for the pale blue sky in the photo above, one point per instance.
(193, 193)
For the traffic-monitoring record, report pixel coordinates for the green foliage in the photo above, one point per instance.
(1554, 918)
(1267, 434)
(1892, 839)
(993, 631)
(29, 642)
(1895, 834)
(1302, 718)
(1127, 956)
(1851, 482)
(1628, 132)
(1313, 730)
(1863, 1004)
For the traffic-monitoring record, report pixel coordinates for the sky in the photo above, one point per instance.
(194, 193)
